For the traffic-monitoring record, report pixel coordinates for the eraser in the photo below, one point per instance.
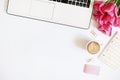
(91, 69)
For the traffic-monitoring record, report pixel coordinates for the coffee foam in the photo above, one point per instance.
(93, 47)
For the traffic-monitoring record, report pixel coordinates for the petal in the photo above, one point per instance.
(117, 22)
(108, 7)
(112, 20)
(106, 29)
(97, 5)
(109, 19)
(97, 16)
(100, 20)
(115, 11)
(112, 13)
(106, 19)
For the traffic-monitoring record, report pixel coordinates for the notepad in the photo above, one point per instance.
(91, 69)
(111, 53)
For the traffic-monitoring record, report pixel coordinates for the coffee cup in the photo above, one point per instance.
(93, 47)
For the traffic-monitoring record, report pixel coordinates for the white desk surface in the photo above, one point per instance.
(37, 50)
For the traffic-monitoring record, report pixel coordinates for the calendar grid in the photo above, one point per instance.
(111, 53)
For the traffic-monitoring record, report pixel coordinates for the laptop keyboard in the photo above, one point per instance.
(81, 3)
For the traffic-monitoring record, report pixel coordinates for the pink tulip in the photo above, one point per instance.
(106, 29)
(106, 15)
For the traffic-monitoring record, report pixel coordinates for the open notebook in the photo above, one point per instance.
(111, 53)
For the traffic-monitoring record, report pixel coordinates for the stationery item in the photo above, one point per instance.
(91, 69)
(111, 53)
(93, 47)
(93, 33)
(89, 60)
(75, 13)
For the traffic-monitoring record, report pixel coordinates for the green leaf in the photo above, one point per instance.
(119, 11)
(118, 4)
(111, 1)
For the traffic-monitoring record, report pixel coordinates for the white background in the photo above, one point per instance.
(37, 50)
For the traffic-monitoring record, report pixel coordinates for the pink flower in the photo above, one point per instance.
(106, 15)
(106, 29)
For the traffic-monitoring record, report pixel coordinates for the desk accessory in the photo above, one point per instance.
(91, 69)
(111, 53)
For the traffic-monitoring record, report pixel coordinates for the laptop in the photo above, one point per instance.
(75, 13)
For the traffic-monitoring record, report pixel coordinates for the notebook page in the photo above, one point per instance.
(111, 54)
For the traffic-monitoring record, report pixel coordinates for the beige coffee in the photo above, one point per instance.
(93, 47)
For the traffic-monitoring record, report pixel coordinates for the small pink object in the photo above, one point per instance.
(91, 69)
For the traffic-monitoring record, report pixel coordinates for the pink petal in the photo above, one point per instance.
(106, 29)
(97, 5)
(108, 7)
(106, 19)
(98, 16)
(112, 20)
(117, 22)
(101, 22)
(116, 11)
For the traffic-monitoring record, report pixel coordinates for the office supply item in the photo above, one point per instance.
(91, 69)
(111, 54)
(68, 12)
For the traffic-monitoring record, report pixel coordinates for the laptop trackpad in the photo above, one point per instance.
(40, 9)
